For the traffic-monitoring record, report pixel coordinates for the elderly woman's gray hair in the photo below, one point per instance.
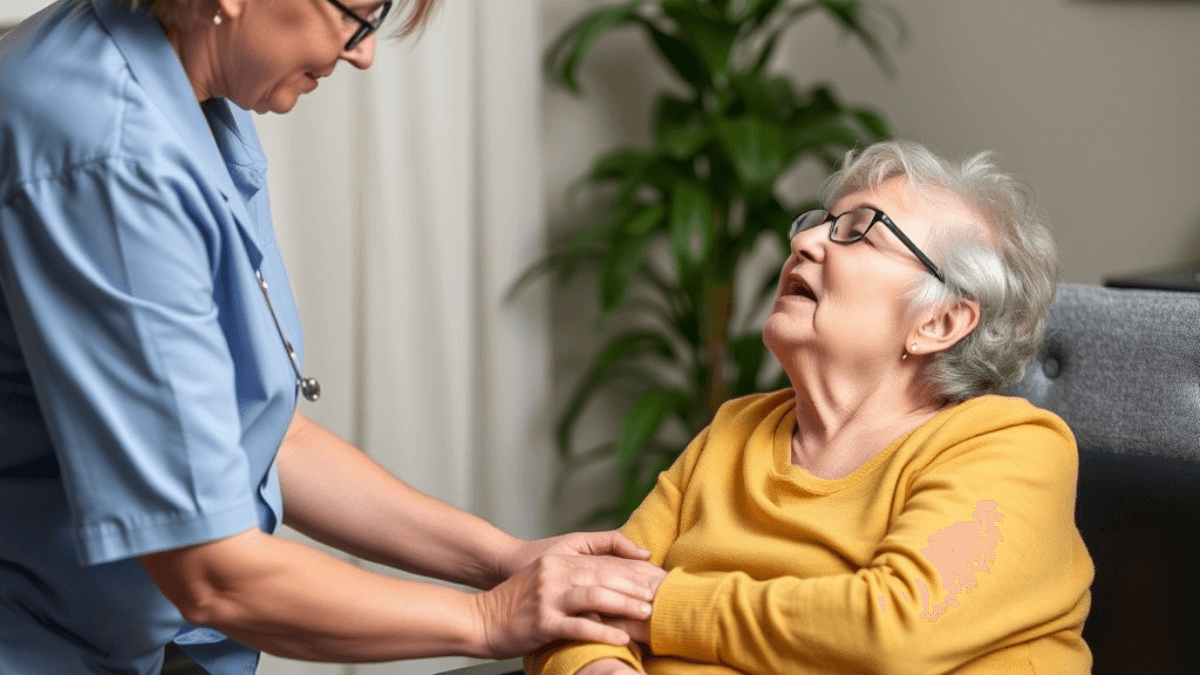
(1013, 278)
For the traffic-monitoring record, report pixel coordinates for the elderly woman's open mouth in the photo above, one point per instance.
(796, 286)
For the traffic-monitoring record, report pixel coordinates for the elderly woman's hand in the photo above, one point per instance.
(552, 599)
(638, 630)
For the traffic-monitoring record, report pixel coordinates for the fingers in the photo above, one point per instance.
(638, 631)
(579, 629)
(628, 548)
(611, 542)
(597, 599)
(567, 597)
(635, 578)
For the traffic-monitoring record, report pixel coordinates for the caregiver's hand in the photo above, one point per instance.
(548, 600)
(610, 542)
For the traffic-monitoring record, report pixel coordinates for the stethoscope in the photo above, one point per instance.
(307, 385)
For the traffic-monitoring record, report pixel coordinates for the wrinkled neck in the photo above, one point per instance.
(851, 412)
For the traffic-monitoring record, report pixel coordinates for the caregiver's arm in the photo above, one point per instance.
(915, 608)
(336, 494)
(295, 601)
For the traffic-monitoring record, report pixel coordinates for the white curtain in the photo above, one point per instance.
(406, 199)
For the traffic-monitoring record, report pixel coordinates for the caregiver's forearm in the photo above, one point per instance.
(292, 600)
(336, 494)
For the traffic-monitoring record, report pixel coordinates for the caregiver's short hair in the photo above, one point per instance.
(1013, 278)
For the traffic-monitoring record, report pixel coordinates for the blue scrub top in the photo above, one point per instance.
(144, 389)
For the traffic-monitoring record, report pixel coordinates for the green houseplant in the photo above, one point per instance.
(681, 216)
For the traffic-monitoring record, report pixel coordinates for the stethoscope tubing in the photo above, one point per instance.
(308, 386)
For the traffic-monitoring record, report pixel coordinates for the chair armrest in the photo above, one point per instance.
(507, 667)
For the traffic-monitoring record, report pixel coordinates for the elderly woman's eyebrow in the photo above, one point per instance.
(858, 205)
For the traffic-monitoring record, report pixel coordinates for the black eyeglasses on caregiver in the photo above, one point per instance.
(852, 226)
(365, 26)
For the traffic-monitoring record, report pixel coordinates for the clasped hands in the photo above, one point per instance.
(585, 586)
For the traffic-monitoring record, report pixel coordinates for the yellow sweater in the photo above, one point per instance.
(953, 550)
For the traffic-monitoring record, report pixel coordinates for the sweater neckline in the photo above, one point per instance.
(782, 456)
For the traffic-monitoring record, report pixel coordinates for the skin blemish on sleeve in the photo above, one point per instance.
(958, 552)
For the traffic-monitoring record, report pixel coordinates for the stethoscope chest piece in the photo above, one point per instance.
(310, 388)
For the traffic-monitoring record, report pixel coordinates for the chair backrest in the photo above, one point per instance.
(1122, 368)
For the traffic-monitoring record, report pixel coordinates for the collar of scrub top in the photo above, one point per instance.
(157, 68)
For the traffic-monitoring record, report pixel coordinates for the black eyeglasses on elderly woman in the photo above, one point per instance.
(365, 26)
(852, 226)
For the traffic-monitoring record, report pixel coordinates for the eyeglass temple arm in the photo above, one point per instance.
(911, 246)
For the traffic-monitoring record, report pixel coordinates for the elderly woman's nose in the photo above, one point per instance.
(363, 54)
(810, 244)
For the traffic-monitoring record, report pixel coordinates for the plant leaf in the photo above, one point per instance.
(624, 256)
(762, 96)
(575, 248)
(757, 148)
(821, 135)
(572, 45)
(756, 11)
(711, 42)
(873, 122)
(691, 226)
(680, 57)
(722, 6)
(561, 263)
(607, 366)
(618, 164)
(749, 354)
(768, 46)
(620, 263)
(575, 462)
(672, 111)
(849, 13)
(644, 419)
(683, 142)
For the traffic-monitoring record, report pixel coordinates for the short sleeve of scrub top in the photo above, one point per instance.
(140, 370)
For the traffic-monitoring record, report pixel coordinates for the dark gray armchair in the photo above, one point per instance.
(1122, 367)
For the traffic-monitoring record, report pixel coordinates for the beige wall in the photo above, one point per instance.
(1096, 103)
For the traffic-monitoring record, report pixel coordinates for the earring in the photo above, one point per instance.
(217, 18)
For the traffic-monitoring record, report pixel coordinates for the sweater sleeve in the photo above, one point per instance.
(973, 561)
(654, 525)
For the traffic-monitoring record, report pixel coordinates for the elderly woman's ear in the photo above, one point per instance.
(940, 328)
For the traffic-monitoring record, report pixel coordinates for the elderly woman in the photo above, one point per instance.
(890, 513)
(150, 361)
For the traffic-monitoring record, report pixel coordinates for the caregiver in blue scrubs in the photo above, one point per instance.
(149, 443)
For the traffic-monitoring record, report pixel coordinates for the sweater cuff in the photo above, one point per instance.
(684, 621)
(568, 660)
